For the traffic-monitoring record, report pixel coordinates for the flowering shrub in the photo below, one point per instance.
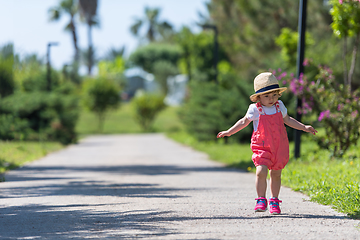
(337, 108)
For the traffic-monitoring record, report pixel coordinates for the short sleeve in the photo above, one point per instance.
(283, 109)
(252, 113)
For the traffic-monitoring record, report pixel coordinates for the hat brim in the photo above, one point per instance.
(253, 97)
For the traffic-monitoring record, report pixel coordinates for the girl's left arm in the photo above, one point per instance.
(291, 122)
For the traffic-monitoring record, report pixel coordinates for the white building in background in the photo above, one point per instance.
(139, 80)
(176, 90)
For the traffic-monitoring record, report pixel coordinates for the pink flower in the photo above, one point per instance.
(354, 114)
(341, 1)
(306, 62)
(324, 114)
(340, 107)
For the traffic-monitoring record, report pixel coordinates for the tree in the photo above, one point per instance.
(146, 56)
(346, 23)
(71, 8)
(113, 53)
(155, 29)
(247, 29)
(163, 70)
(88, 10)
(147, 107)
(99, 96)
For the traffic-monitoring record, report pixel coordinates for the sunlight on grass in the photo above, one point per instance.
(17, 153)
(122, 121)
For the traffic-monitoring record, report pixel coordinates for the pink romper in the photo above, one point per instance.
(269, 143)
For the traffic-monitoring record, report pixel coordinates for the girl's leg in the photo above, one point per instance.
(275, 182)
(260, 182)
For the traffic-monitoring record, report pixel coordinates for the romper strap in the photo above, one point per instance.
(277, 105)
(260, 109)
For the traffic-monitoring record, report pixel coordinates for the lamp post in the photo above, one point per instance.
(216, 47)
(48, 76)
(300, 67)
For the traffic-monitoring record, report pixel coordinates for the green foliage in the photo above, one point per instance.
(211, 108)
(7, 84)
(163, 70)
(113, 69)
(198, 54)
(146, 56)
(99, 96)
(156, 30)
(337, 108)
(52, 115)
(247, 30)
(346, 18)
(147, 107)
(12, 127)
(288, 40)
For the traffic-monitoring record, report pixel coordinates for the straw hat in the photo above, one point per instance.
(264, 83)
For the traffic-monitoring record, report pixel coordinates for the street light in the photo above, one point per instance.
(300, 67)
(216, 50)
(48, 77)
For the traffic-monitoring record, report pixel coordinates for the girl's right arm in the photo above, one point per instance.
(242, 123)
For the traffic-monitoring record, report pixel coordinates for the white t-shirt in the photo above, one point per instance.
(253, 113)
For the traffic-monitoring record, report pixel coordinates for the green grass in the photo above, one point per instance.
(16, 153)
(122, 121)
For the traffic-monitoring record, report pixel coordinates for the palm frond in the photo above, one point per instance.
(54, 13)
(136, 26)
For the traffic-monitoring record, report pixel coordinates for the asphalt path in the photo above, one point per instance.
(147, 186)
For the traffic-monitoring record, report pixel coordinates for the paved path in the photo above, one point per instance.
(147, 186)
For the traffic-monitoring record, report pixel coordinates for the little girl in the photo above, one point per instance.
(269, 141)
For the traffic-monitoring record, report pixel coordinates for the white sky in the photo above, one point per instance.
(26, 24)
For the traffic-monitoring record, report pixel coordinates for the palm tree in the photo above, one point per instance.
(67, 7)
(88, 10)
(155, 28)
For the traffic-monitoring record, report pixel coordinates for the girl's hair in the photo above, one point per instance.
(275, 91)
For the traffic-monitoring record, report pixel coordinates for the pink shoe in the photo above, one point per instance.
(261, 204)
(274, 206)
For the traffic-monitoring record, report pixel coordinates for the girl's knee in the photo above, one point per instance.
(275, 173)
(261, 171)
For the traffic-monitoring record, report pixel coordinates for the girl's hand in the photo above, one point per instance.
(223, 134)
(310, 129)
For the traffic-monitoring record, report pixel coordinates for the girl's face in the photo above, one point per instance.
(269, 99)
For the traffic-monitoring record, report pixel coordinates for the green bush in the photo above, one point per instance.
(13, 128)
(212, 108)
(51, 116)
(147, 107)
(100, 95)
(337, 108)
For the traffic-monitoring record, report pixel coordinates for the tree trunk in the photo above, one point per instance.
(73, 30)
(353, 59)
(344, 59)
(90, 53)
(101, 116)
